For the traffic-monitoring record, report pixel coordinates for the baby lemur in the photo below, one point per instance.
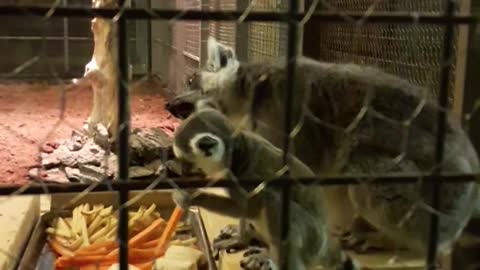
(207, 140)
(350, 119)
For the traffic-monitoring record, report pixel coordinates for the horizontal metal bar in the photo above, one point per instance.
(197, 15)
(198, 182)
(57, 38)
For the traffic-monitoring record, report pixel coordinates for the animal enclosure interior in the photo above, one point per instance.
(87, 103)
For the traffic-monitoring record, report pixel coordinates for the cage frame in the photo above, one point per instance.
(291, 17)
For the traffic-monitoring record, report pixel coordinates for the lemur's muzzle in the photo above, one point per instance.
(183, 105)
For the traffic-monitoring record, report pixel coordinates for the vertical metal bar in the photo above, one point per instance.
(291, 65)
(122, 138)
(149, 37)
(66, 51)
(441, 124)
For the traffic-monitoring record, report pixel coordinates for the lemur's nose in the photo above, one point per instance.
(206, 144)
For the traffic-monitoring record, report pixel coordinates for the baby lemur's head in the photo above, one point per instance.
(205, 140)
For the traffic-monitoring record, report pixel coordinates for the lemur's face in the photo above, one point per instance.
(220, 66)
(203, 141)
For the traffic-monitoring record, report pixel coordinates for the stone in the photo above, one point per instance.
(53, 175)
(101, 136)
(72, 173)
(139, 172)
(49, 161)
(91, 174)
(76, 141)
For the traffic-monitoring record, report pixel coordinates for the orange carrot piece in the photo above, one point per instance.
(109, 245)
(59, 249)
(64, 262)
(94, 267)
(133, 253)
(144, 266)
(100, 251)
(141, 237)
(146, 233)
(150, 244)
(167, 233)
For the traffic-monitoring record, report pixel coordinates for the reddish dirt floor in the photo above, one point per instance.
(30, 116)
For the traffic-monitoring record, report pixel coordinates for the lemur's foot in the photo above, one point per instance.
(229, 239)
(256, 258)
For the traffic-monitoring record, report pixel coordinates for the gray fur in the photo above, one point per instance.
(251, 156)
(336, 137)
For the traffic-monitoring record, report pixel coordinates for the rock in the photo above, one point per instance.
(155, 165)
(148, 146)
(47, 149)
(76, 141)
(73, 173)
(110, 164)
(101, 136)
(53, 175)
(91, 154)
(139, 172)
(49, 161)
(91, 174)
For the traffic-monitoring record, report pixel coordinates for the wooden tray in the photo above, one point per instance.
(38, 255)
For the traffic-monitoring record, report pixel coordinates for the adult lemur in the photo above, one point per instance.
(350, 119)
(207, 140)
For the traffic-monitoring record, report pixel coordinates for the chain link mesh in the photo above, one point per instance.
(53, 111)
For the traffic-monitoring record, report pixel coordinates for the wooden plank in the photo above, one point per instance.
(18, 216)
(461, 62)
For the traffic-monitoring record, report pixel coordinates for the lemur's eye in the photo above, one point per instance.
(190, 81)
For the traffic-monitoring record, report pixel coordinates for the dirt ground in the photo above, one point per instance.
(31, 116)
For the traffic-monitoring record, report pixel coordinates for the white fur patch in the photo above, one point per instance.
(210, 165)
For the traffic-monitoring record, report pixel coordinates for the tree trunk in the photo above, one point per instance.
(102, 73)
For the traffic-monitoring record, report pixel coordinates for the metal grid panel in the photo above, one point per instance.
(410, 51)
(192, 30)
(267, 41)
(223, 31)
(123, 153)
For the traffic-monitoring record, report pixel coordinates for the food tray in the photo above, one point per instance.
(38, 256)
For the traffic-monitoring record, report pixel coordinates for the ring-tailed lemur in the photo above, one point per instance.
(207, 140)
(350, 119)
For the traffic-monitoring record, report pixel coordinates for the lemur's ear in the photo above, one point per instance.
(219, 55)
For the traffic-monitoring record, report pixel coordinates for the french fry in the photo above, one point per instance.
(84, 231)
(150, 210)
(107, 245)
(59, 248)
(106, 211)
(58, 232)
(96, 223)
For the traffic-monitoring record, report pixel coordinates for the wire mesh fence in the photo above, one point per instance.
(418, 45)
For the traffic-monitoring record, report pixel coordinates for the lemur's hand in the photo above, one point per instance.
(182, 199)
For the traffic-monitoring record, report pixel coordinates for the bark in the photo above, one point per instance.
(102, 73)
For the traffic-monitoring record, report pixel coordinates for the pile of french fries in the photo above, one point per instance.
(97, 223)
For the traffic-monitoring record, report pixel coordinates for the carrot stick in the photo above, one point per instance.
(59, 249)
(94, 267)
(150, 244)
(64, 262)
(140, 237)
(144, 266)
(146, 233)
(108, 245)
(132, 253)
(167, 233)
(100, 251)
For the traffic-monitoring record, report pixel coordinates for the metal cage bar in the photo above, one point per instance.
(292, 17)
(164, 14)
(440, 135)
(123, 132)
